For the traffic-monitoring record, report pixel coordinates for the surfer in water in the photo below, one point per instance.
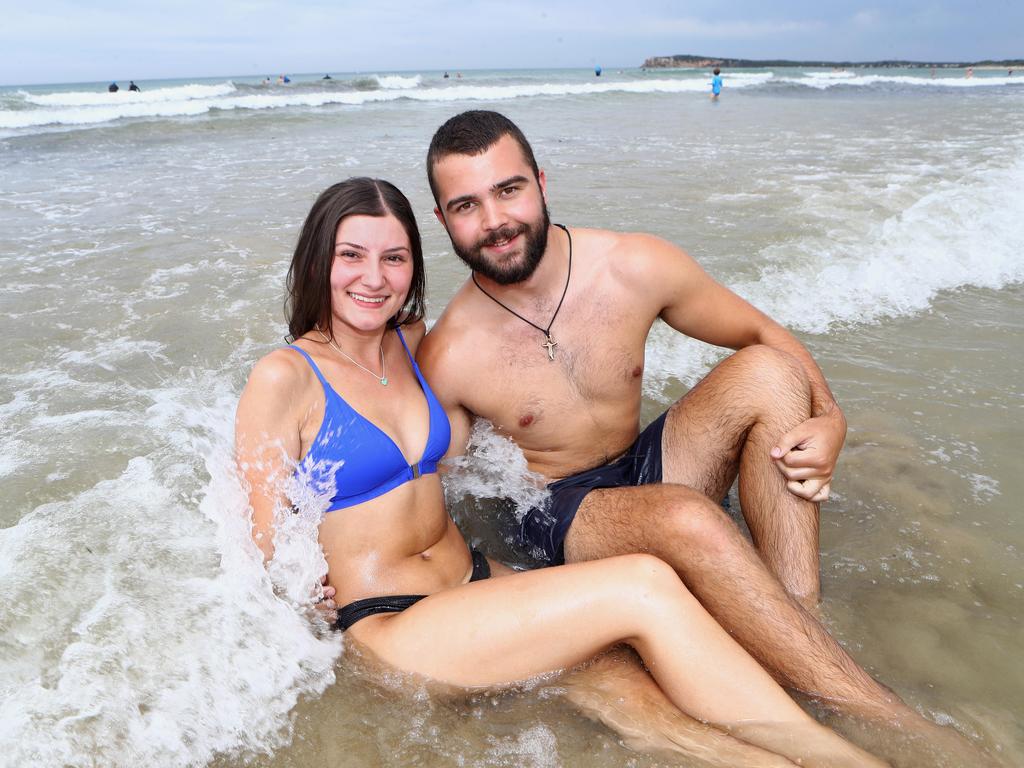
(345, 411)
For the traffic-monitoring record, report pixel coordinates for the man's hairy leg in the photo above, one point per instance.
(731, 419)
(618, 692)
(721, 568)
(729, 422)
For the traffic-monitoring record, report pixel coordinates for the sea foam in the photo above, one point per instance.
(81, 109)
(963, 232)
(398, 82)
(825, 80)
(124, 96)
(85, 108)
(164, 640)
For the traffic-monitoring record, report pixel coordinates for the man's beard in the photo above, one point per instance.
(535, 241)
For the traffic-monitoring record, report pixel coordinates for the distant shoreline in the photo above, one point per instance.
(680, 61)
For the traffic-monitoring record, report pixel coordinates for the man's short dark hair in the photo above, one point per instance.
(473, 133)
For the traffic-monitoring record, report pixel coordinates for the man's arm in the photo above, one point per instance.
(694, 304)
(462, 423)
(430, 356)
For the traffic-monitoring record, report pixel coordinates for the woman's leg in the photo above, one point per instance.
(616, 690)
(494, 632)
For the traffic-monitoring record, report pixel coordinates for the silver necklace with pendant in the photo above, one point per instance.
(383, 378)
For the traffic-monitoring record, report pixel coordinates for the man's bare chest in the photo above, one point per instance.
(520, 383)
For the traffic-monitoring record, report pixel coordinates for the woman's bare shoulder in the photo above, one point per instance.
(282, 371)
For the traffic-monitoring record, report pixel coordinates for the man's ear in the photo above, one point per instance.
(440, 218)
(542, 179)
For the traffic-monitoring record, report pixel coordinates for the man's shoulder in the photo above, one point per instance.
(610, 242)
(445, 339)
(627, 254)
(455, 315)
(413, 334)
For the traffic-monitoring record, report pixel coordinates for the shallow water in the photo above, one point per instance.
(142, 263)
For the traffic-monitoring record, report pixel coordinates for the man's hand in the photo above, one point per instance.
(806, 455)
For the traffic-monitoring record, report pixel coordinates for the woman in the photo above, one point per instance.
(346, 410)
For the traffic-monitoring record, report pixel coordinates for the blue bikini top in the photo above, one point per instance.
(354, 459)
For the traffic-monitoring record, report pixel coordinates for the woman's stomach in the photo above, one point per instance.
(398, 544)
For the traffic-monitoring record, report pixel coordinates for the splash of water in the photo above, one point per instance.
(139, 624)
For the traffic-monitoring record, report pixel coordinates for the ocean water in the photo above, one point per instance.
(144, 240)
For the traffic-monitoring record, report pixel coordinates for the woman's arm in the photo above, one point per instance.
(268, 438)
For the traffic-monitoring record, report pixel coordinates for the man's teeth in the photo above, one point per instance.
(372, 300)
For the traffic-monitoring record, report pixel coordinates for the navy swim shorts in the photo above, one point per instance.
(543, 530)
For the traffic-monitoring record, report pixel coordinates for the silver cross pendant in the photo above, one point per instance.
(550, 345)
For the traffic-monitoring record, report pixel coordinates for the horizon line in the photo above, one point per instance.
(589, 67)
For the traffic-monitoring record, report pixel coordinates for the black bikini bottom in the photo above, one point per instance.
(360, 609)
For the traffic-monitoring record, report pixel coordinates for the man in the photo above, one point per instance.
(546, 341)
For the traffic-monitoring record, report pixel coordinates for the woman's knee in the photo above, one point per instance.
(651, 584)
(647, 569)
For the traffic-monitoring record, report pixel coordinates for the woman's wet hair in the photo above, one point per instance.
(308, 301)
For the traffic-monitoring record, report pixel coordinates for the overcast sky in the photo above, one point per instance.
(61, 41)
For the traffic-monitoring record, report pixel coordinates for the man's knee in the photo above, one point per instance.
(772, 366)
(693, 525)
(772, 376)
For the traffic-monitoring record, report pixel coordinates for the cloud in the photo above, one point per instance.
(730, 30)
(613, 21)
(866, 18)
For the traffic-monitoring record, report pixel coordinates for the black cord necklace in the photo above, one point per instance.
(549, 343)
